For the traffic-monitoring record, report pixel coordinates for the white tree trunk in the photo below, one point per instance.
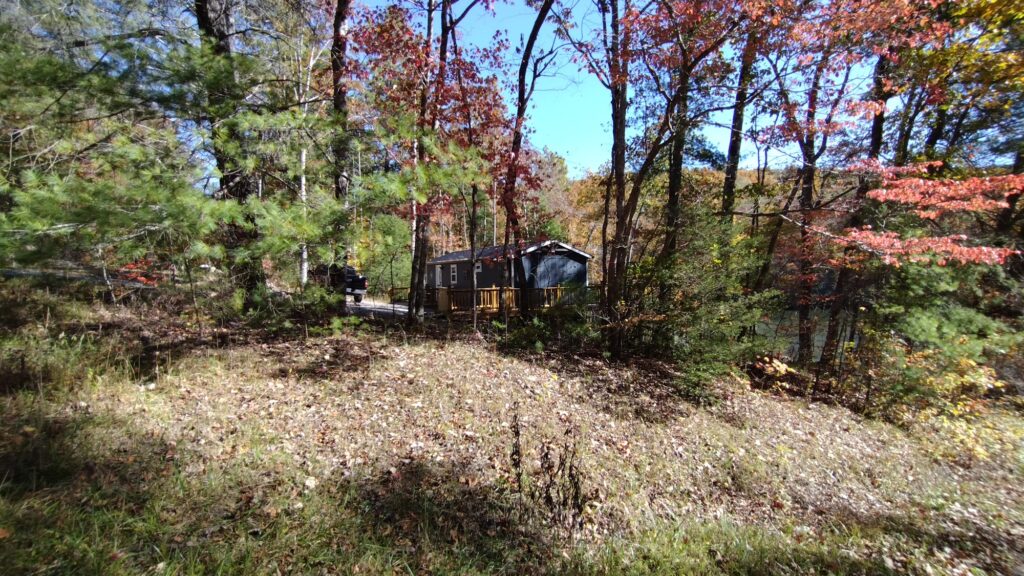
(303, 249)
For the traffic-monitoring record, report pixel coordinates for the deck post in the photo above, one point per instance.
(443, 302)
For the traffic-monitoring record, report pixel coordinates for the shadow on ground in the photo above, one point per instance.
(89, 492)
(86, 493)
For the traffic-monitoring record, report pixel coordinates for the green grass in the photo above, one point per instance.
(132, 507)
(725, 547)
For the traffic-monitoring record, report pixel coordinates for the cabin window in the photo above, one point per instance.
(437, 276)
(455, 274)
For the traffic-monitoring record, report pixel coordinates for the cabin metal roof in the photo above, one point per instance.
(497, 252)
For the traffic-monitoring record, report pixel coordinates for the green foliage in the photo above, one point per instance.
(127, 201)
(699, 309)
(925, 343)
(86, 181)
(567, 326)
(343, 324)
(937, 307)
(311, 309)
(531, 334)
(382, 254)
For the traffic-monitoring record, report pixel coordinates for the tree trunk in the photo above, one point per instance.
(417, 298)
(675, 168)
(732, 162)
(806, 280)
(605, 218)
(421, 220)
(472, 250)
(506, 274)
(620, 235)
(303, 249)
(908, 119)
(844, 283)
(339, 101)
(1006, 219)
(474, 190)
(805, 328)
(524, 91)
(935, 134)
(758, 282)
(615, 280)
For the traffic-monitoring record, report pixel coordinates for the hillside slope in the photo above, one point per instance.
(368, 453)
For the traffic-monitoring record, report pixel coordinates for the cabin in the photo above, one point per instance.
(546, 271)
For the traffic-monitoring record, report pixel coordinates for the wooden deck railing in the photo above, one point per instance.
(487, 299)
(454, 300)
(458, 300)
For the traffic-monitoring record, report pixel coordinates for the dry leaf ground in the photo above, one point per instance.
(370, 452)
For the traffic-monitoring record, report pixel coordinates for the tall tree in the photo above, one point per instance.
(215, 20)
(339, 95)
(339, 101)
(686, 40)
(812, 63)
(530, 69)
(879, 95)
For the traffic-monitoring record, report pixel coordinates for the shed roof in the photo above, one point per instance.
(496, 252)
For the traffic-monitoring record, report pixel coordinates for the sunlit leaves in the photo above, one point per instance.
(894, 249)
(933, 198)
(129, 199)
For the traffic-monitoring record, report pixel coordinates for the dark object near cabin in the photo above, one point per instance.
(337, 278)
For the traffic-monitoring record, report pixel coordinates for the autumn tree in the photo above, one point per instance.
(915, 58)
(610, 53)
(682, 49)
(816, 52)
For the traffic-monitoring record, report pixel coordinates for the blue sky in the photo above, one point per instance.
(569, 113)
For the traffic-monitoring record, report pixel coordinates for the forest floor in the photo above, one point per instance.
(369, 451)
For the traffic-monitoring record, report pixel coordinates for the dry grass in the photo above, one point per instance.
(366, 452)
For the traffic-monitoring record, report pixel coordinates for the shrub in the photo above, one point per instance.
(695, 308)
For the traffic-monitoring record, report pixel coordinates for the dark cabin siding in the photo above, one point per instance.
(492, 275)
(561, 268)
(545, 267)
(446, 275)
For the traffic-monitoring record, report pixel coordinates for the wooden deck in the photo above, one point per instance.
(488, 300)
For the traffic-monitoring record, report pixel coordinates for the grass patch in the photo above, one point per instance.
(136, 503)
(725, 547)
